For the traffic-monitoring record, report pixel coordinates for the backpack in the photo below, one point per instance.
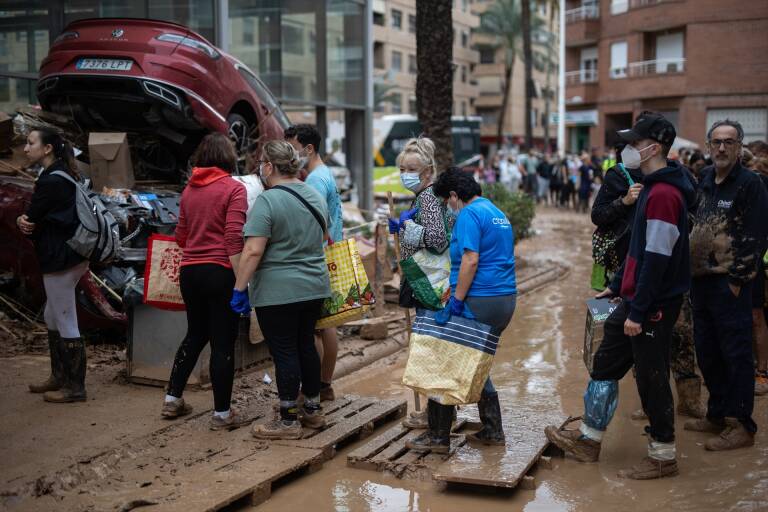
(97, 237)
(605, 242)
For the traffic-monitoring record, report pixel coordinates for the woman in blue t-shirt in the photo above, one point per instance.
(483, 287)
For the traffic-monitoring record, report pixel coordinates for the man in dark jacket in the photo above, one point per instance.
(727, 240)
(651, 284)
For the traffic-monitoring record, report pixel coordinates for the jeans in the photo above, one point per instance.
(722, 330)
(289, 330)
(207, 290)
(649, 352)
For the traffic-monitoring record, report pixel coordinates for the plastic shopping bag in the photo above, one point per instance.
(161, 278)
(429, 274)
(351, 291)
(449, 363)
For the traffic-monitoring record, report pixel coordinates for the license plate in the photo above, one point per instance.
(105, 64)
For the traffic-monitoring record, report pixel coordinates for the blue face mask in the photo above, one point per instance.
(410, 180)
(451, 212)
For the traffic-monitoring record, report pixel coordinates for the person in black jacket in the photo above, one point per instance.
(50, 221)
(727, 240)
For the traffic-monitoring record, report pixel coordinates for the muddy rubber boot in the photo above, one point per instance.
(416, 420)
(734, 436)
(73, 362)
(56, 379)
(574, 443)
(649, 469)
(689, 398)
(704, 425)
(492, 432)
(442, 440)
(437, 438)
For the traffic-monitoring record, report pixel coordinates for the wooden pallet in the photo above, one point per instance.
(348, 418)
(388, 452)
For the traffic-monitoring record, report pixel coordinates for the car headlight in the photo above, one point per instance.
(64, 36)
(190, 43)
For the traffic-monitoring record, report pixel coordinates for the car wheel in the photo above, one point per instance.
(238, 132)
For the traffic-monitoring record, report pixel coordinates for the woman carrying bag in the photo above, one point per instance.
(483, 288)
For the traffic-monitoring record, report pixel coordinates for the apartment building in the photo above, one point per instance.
(695, 61)
(394, 56)
(489, 74)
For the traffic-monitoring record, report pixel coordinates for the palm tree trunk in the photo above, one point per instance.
(528, 56)
(548, 97)
(434, 81)
(508, 70)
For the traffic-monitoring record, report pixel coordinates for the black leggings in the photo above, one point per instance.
(207, 290)
(289, 330)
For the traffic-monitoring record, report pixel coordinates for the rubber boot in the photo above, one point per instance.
(73, 362)
(56, 379)
(437, 438)
(492, 432)
(442, 440)
(689, 398)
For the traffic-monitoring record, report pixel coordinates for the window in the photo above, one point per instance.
(753, 120)
(397, 19)
(397, 61)
(397, 103)
(619, 60)
(588, 67)
(412, 65)
(378, 56)
(248, 31)
(464, 108)
(378, 19)
(464, 39)
(670, 53)
(463, 74)
(412, 23)
(412, 105)
(293, 39)
(619, 6)
(487, 55)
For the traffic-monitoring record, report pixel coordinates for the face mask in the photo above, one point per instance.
(631, 157)
(263, 178)
(410, 180)
(451, 212)
(303, 161)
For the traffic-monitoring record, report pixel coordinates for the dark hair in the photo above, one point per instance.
(727, 122)
(216, 150)
(456, 180)
(62, 150)
(306, 134)
(758, 148)
(695, 157)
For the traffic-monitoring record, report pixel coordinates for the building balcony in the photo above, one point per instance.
(581, 86)
(656, 67)
(660, 78)
(582, 25)
(580, 76)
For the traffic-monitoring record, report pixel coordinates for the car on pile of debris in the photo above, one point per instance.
(157, 79)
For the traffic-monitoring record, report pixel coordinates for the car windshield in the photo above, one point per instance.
(265, 95)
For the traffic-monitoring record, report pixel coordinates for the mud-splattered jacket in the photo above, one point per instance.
(730, 226)
(657, 268)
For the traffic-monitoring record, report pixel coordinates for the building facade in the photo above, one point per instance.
(489, 75)
(394, 57)
(695, 61)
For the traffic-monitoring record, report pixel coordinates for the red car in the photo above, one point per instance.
(156, 78)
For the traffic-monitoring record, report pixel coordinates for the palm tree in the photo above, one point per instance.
(434, 80)
(528, 57)
(553, 7)
(502, 22)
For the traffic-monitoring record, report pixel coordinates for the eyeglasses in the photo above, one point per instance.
(729, 143)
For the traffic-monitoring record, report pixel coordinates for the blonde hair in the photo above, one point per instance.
(283, 157)
(423, 148)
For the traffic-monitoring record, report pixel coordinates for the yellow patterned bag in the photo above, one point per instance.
(351, 292)
(449, 363)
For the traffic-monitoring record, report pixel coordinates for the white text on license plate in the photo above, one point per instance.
(105, 64)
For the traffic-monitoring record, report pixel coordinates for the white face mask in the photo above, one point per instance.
(410, 180)
(264, 179)
(631, 158)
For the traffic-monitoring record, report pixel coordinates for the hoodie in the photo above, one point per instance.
(211, 218)
(657, 268)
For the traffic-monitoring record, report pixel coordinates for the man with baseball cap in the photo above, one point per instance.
(648, 290)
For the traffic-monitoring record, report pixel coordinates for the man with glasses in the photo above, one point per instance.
(728, 237)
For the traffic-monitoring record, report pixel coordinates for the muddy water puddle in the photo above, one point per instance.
(540, 362)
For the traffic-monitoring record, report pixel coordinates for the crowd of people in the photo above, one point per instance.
(688, 279)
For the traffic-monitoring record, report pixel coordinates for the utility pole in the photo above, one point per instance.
(561, 142)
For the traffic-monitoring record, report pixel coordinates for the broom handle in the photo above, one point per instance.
(391, 201)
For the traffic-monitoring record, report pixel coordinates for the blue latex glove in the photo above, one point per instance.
(396, 225)
(239, 302)
(454, 307)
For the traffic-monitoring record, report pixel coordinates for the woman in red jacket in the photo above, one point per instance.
(210, 232)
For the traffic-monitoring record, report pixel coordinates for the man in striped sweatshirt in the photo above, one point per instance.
(651, 284)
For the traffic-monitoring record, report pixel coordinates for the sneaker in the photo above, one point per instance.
(277, 429)
(175, 409)
(649, 469)
(231, 422)
(311, 418)
(639, 415)
(416, 420)
(733, 436)
(327, 394)
(574, 443)
(704, 425)
(761, 384)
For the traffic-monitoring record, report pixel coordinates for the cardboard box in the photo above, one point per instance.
(110, 161)
(598, 311)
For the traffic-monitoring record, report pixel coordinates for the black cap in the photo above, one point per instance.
(650, 125)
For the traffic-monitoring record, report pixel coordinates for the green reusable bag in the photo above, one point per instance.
(429, 274)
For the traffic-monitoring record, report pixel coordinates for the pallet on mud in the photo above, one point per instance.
(388, 452)
(348, 418)
(504, 466)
